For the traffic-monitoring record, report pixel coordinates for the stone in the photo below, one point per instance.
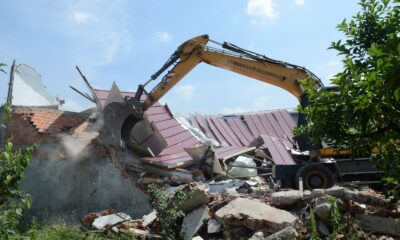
(197, 238)
(213, 226)
(197, 196)
(288, 233)
(193, 221)
(322, 209)
(286, 197)
(315, 193)
(364, 197)
(306, 194)
(219, 187)
(231, 193)
(377, 224)
(149, 218)
(258, 236)
(255, 215)
(104, 222)
(323, 229)
(335, 191)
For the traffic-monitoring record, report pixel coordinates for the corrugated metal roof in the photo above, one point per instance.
(178, 137)
(274, 127)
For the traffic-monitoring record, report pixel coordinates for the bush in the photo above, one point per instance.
(167, 210)
(12, 200)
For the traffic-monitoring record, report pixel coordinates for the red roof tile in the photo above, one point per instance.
(50, 122)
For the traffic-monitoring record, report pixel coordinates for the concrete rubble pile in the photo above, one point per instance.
(228, 212)
(223, 163)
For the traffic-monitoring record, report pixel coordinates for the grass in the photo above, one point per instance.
(61, 231)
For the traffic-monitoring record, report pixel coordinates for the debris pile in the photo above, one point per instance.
(228, 212)
(227, 166)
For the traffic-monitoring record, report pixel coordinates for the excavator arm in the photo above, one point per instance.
(230, 57)
(126, 120)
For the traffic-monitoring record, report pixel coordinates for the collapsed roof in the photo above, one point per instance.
(181, 139)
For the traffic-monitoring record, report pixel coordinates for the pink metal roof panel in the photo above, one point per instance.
(278, 151)
(223, 131)
(219, 137)
(243, 129)
(240, 136)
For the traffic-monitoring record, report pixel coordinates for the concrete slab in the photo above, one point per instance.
(255, 215)
(193, 222)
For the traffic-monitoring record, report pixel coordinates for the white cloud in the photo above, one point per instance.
(186, 91)
(261, 10)
(299, 2)
(100, 30)
(81, 17)
(163, 36)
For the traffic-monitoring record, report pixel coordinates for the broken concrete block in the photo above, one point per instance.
(243, 167)
(286, 198)
(149, 218)
(335, 191)
(364, 197)
(255, 215)
(288, 233)
(193, 222)
(197, 196)
(102, 223)
(197, 238)
(213, 226)
(306, 194)
(377, 224)
(315, 193)
(231, 193)
(219, 187)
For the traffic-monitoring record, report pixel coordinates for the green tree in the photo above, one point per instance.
(364, 113)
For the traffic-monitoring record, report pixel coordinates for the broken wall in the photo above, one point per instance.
(70, 174)
(27, 88)
(69, 189)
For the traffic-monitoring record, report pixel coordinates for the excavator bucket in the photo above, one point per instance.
(129, 127)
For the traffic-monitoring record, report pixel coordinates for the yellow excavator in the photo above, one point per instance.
(256, 66)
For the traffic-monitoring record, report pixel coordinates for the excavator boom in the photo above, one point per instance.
(191, 53)
(126, 122)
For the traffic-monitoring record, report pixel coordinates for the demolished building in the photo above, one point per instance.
(174, 146)
(81, 166)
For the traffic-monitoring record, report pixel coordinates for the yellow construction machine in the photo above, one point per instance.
(256, 66)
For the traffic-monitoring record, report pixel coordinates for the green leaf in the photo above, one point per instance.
(18, 211)
(397, 94)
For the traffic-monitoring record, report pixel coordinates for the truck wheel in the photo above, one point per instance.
(315, 176)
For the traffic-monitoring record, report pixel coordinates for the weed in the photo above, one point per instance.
(314, 232)
(167, 209)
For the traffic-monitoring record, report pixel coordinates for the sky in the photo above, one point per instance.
(126, 41)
